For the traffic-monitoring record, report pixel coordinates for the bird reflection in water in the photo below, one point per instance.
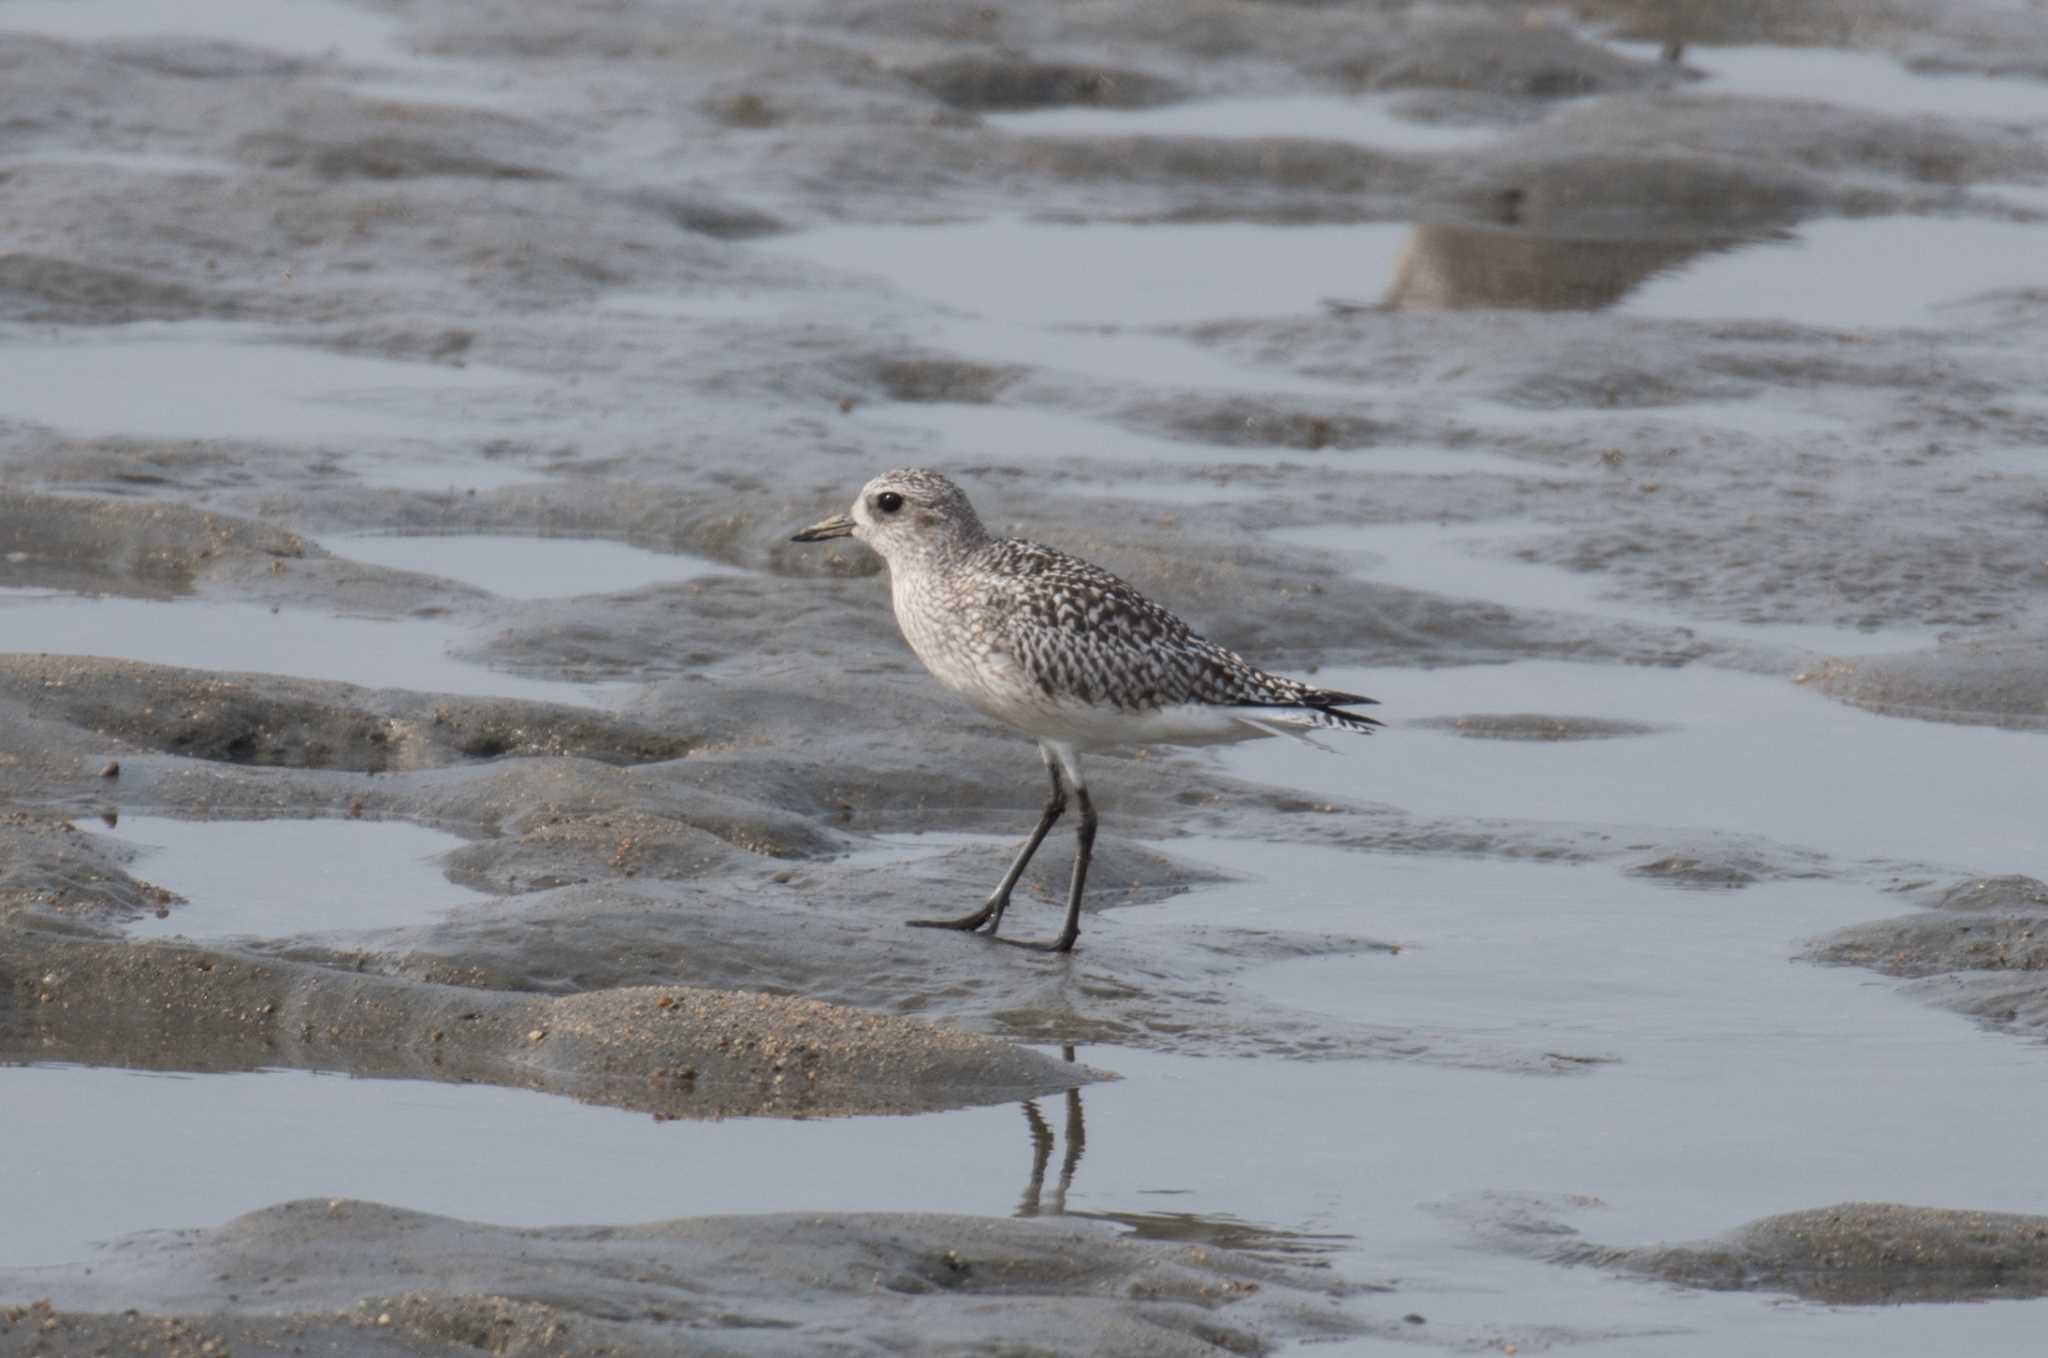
(1041, 1152)
(1220, 1231)
(1455, 267)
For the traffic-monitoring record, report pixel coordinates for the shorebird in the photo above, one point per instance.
(1062, 651)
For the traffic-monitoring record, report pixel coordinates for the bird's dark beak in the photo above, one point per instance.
(838, 526)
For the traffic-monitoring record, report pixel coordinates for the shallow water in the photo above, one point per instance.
(1068, 278)
(1739, 1085)
(1126, 358)
(136, 164)
(1869, 80)
(532, 1160)
(2031, 197)
(1720, 1080)
(443, 478)
(1823, 276)
(1111, 274)
(2015, 462)
(1476, 561)
(239, 637)
(305, 28)
(525, 567)
(1747, 753)
(1758, 419)
(244, 1141)
(1720, 1048)
(1106, 351)
(961, 433)
(1366, 119)
(270, 877)
(207, 380)
(706, 306)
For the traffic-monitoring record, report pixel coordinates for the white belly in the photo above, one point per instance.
(1095, 728)
(1086, 726)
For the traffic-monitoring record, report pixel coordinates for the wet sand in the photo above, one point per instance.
(407, 676)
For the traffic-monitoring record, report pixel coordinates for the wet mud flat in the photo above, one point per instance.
(441, 807)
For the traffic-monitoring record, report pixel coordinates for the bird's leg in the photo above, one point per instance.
(1084, 845)
(991, 913)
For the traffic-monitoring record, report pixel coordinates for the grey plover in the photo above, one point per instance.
(1064, 652)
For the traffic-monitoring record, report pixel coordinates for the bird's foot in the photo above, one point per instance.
(1059, 945)
(966, 923)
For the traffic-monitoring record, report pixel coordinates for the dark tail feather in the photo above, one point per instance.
(1352, 721)
(1309, 714)
(1332, 704)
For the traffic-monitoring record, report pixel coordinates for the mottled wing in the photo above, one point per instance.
(1081, 634)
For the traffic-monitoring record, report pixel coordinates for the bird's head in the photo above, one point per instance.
(906, 514)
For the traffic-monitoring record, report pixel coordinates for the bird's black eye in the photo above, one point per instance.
(888, 502)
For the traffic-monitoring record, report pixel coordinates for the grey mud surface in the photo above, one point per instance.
(1856, 1253)
(348, 1276)
(1981, 949)
(693, 913)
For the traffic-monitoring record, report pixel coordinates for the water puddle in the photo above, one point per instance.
(113, 160)
(1711, 1039)
(243, 1141)
(1867, 80)
(2028, 197)
(444, 83)
(307, 30)
(1545, 954)
(1366, 119)
(1823, 275)
(204, 380)
(1076, 298)
(1725, 1084)
(2025, 461)
(1743, 753)
(707, 306)
(277, 878)
(1473, 561)
(885, 851)
(303, 28)
(407, 653)
(1757, 419)
(515, 567)
(962, 434)
(444, 477)
(1058, 274)
(1104, 352)
(1739, 1085)
(1446, 266)
(1221, 489)
(1721, 1082)
(1059, 278)
(1818, 274)
(1079, 296)
(1129, 358)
